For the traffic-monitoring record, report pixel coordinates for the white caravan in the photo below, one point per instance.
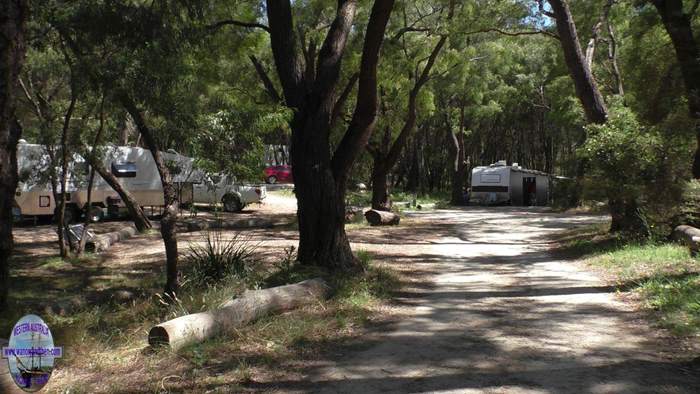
(134, 168)
(503, 184)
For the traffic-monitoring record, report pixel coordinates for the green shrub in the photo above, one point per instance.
(221, 258)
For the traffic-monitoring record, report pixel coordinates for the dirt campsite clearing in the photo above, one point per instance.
(483, 306)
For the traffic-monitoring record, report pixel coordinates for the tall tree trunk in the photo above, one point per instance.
(320, 179)
(169, 217)
(13, 15)
(679, 28)
(586, 87)
(624, 212)
(458, 161)
(380, 194)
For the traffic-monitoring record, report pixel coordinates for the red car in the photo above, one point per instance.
(283, 173)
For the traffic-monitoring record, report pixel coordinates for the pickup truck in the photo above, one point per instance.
(216, 189)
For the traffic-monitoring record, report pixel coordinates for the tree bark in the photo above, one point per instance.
(458, 161)
(13, 16)
(190, 329)
(679, 28)
(169, 217)
(627, 217)
(380, 193)
(584, 83)
(320, 180)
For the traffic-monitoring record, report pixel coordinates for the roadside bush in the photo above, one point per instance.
(629, 163)
(219, 258)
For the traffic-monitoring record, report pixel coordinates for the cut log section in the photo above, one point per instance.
(103, 242)
(229, 224)
(197, 327)
(689, 236)
(382, 218)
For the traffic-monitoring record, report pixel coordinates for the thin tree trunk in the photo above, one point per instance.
(91, 179)
(13, 15)
(586, 87)
(458, 161)
(679, 28)
(65, 157)
(169, 217)
(612, 58)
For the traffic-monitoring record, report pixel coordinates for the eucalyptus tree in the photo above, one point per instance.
(424, 19)
(13, 16)
(309, 79)
(677, 19)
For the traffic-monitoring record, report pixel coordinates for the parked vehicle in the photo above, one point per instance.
(134, 167)
(222, 188)
(281, 174)
(503, 184)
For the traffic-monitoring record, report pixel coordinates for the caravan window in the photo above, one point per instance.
(490, 178)
(124, 170)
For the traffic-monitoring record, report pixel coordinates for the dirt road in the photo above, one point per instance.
(494, 312)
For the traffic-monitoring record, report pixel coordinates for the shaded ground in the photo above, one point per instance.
(35, 264)
(490, 310)
(484, 308)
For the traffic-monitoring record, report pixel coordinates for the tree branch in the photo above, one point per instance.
(340, 103)
(267, 82)
(513, 33)
(365, 114)
(227, 22)
(289, 63)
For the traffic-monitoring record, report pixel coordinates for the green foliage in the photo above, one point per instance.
(219, 258)
(624, 156)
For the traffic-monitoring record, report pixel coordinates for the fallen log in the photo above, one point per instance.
(189, 329)
(382, 218)
(689, 236)
(229, 224)
(103, 242)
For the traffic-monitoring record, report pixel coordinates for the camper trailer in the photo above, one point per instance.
(135, 169)
(503, 184)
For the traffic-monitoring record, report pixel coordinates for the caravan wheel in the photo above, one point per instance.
(95, 214)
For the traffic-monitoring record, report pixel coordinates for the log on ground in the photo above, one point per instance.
(382, 218)
(103, 242)
(688, 235)
(225, 224)
(197, 327)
